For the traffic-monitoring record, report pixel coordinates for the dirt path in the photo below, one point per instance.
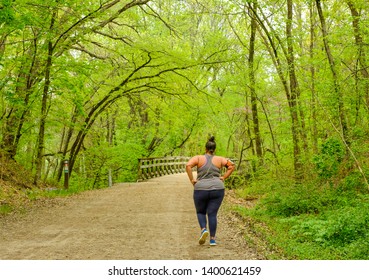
(152, 220)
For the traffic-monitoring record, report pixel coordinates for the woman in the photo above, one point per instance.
(208, 188)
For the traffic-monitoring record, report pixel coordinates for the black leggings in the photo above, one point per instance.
(208, 202)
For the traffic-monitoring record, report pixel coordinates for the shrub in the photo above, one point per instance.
(353, 183)
(299, 200)
(336, 228)
(289, 205)
(327, 162)
(358, 250)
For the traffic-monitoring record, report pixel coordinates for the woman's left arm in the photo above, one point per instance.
(230, 168)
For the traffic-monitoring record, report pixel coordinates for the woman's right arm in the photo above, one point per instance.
(190, 164)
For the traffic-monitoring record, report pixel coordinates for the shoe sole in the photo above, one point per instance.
(213, 244)
(203, 237)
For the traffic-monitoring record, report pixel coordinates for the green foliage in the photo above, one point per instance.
(344, 229)
(6, 12)
(352, 184)
(300, 200)
(5, 209)
(236, 180)
(328, 160)
(317, 220)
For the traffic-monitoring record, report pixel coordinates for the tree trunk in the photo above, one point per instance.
(294, 93)
(360, 45)
(337, 90)
(16, 116)
(110, 130)
(43, 113)
(64, 145)
(254, 107)
(273, 43)
(314, 133)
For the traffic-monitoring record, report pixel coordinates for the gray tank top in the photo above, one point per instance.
(208, 176)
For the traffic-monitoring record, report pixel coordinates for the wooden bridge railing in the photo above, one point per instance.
(159, 166)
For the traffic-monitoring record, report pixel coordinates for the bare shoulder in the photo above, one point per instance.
(220, 161)
(218, 158)
(196, 160)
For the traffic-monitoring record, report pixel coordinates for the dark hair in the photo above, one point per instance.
(211, 145)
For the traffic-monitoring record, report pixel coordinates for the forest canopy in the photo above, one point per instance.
(283, 85)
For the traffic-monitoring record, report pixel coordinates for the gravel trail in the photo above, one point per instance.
(153, 220)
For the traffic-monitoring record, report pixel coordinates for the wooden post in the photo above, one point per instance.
(66, 174)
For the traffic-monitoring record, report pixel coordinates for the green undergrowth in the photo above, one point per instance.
(15, 199)
(18, 191)
(312, 221)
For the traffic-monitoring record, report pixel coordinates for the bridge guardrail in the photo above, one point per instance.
(149, 168)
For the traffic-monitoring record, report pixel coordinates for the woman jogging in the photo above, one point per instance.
(208, 188)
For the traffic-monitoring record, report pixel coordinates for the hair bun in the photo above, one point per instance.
(211, 145)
